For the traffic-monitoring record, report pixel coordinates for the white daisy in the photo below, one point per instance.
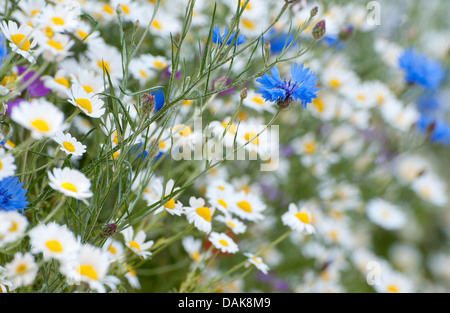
(137, 243)
(385, 214)
(54, 241)
(55, 48)
(257, 262)
(198, 214)
(42, 118)
(69, 144)
(257, 102)
(223, 242)
(192, 247)
(169, 204)
(17, 225)
(22, 270)
(431, 188)
(248, 206)
(90, 265)
(21, 39)
(133, 279)
(89, 103)
(298, 220)
(114, 248)
(71, 183)
(236, 226)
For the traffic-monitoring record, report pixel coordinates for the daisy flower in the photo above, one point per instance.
(411, 167)
(393, 282)
(22, 270)
(59, 83)
(69, 144)
(431, 188)
(385, 214)
(16, 228)
(236, 226)
(89, 103)
(223, 242)
(298, 220)
(54, 241)
(137, 243)
(247, 206)
(192, 247)
(55, 48)
(114, 248)
(7, 166)
(133, 279)
(12, 195)
(90, 265)
(171, 206)
(20, 38)
(198, 214)
(41, 117)
(257, 262)
(71, 183)
(301, 87)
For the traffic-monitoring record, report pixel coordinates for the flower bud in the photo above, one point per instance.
(109, 230)
(314, 11)
(319, 30)
(244, 93)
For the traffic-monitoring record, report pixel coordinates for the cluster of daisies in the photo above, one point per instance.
(339, 171)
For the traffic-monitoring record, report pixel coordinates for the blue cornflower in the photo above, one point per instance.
(279, 40)
(12, 195)
(421, 70)
(219, 39)
(438, 130)
(300, 87)
(159, 99)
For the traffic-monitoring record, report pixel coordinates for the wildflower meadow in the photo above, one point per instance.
(224, 146)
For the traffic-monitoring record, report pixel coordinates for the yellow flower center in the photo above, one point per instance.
(87, 270)
(104, 65)
(21, 268)
(68, 146)
(156, 24)
(143, 73)
(125, 8)
(1, 165)
(55, 44)
(62, 81)
(108, 9)
(13, 227)
(247, 23)
(205, 213)
(229, 223)
(85, 104)
(393, 288)
(162, 144)
(21, 42)
(116, 137)
(69, 186)
(231, 128)
(159, 64)
(319, 104)
(34, 12)
(335, 83)
(54, 246)
(88, 88)
(257, 261)
(58, 21)
(82, 34)
(170, 204)
(258, 100)
(112, 250)
(222, 203)
(186, 131)
(48, 32)
(223, 242)
(195, 256)
(303, 217)
(310, 147)
(251, 135)
(134, 244)
(40, 125)
(245, 206)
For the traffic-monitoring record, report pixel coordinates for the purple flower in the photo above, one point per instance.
(13, 104)
(36, 87)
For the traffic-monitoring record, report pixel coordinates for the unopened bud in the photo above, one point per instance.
(244, 93)
(319, 30)
(119, 9)
(346, 33)
(267, 47)
(148, 102)
(314, 11)
(109, 230)
(137, 24)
